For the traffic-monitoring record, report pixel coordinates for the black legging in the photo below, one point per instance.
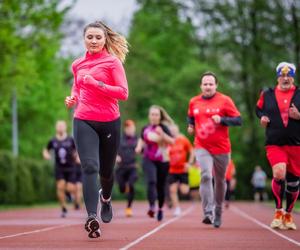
(127, 176)
(97, 145)
(156, 175)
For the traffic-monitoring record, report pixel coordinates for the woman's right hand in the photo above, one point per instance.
(70, 101)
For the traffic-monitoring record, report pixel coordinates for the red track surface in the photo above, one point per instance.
(245, 226)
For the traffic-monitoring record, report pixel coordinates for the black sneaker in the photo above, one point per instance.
(106, 209)
(160, 215)
(92, 226)
(218, 218)
(208, 218)
(64, 212)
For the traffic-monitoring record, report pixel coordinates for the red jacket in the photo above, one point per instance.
(96, 102)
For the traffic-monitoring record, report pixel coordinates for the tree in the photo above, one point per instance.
(247, 39)
(163, 65)
(30, 38)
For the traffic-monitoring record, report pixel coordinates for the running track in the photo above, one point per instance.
(244, 227)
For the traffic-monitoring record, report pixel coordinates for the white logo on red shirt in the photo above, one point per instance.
(212, 110)
(206, 129)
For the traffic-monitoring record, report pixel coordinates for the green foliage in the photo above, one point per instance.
(25, 181)
(163, 66)
(246, 40)
(30, 39)
(172, 43)
(241, 41)
(7, 179)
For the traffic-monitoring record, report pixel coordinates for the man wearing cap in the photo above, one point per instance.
(278, 111)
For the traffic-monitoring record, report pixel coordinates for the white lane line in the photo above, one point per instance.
(35, 231)
(153, 231)
(248, 217)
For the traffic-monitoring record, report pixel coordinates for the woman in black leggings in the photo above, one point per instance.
(154, 140)
(99, 83)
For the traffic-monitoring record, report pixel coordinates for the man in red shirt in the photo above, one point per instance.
(181, 157)
(278, 111)
(209, 116)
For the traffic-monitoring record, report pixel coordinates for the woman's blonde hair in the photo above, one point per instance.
(164, 116)
(115, 43)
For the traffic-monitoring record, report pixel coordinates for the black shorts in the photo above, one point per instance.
(181, 178)
(259, 190)
(126, 175)
(78, 173)
(69, 175)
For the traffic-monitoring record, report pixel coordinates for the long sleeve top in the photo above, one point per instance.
(282, 129)
(99, 102)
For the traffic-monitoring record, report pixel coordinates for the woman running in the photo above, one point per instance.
(155, 138)
(126, 173)
(181, 157)
(99, 82)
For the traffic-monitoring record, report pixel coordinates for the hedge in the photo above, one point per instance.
(28, 181)
(25, 181)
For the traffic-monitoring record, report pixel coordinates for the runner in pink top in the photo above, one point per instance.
(99, 83)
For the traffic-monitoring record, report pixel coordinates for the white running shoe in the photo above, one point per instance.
(177, 211)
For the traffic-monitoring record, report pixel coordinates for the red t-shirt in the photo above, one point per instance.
(208, 135)
(283, 99)
(178, 153)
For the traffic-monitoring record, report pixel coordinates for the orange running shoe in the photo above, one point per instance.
(128, 212)
(277, 222)
(288, 222)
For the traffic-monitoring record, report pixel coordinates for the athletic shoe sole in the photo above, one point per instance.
(92, 226)
(207, 221)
